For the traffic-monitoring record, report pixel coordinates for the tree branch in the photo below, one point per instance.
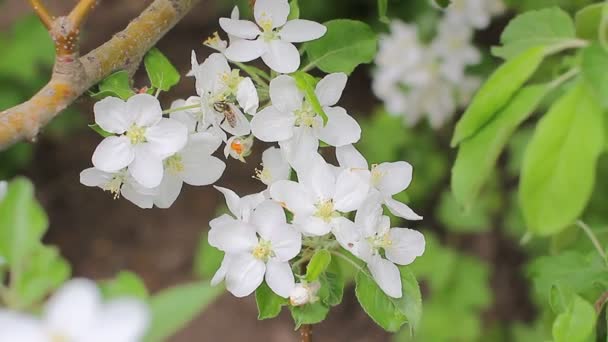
(43, 13)
(73, 75)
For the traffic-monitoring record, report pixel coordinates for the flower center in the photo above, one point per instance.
(232, 80)
(58, 337)
(215, 42)
(265, 22)
(263, 251)
(305, 116)
(114, 185)
(376, 176)
(174, 164)
(325, 210)
(264, 175)
(380, 241)
(136, 134)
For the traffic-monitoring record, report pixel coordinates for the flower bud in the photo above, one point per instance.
(304, 293)
(239, 147)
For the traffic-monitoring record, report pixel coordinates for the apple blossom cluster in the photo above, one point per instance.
(416, 79)
(150, 152)
(77, 313)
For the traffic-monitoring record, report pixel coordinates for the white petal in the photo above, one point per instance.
(168, 191)
(249, 203)
(401, 209)
(113, 154)
(122, 320)
(19, 327)
(395, 177)
(210, 73)
(247, 96)
(285, 95)
(274, 11)
(245, 50)
(147, 167)
(348, 156)
(235, 14)
(330, 88)
(240, 28)
(279, 278)
(386, 275)
(272, 125)
(222, 221)
(145, 108)
(71, 310)
(312, 225)
(112, 116)
(346, 233)
(244, 275)
(241, 124)
(202, 170)
(369, 215)
(266, 217)
(407, 245)
(282, 57)
(167, 137)
(238, 237)
(275, 164)
(184, 116)
(294, 196)
(233, 201)
(352, 187)
(220, 274)
(299, 148)
(341, 129)
(299, 30)
(320, 178)
(285, 240)
(94, 177)
(138, 195)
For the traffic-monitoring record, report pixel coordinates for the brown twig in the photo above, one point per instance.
(73, 75)
(599, 303)
(306, 333)
(43, 13)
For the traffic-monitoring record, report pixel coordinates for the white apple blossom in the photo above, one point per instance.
(292, 122)
(241, 208)
(120, 183)
(76, 313)
(272, 38)
(142, 140)
(274, 167)
(304, 293)
(454, 47)
(219, 90)
(474, 13)
(238, 147)
(385, 179)
(374, 234)
(215, 42)
(320, 197)
(257, 251)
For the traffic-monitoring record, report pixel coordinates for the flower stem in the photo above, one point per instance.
(306, 333)
(173, 110)
(594, 240)
(564, 77)
(352, 262)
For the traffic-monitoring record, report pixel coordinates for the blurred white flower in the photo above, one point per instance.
(143, 137)
(3, 189)
(272, 38)
(292, 122)
(304, 293)
(76, 313)
(258, 250)
(321, 196)
(474, 13)
(374, 234)
(454, 48)
(385, 179)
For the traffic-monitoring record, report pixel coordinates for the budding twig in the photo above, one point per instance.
(44, 15)
(81, 11)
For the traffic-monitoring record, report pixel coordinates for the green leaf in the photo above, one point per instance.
(306, 83)
(496, 92)
(44, 271)
(474, 219)
(390, 313)
(117, 85)
(477, 155)
(22, 224)
(174, 307)
(208, 259)
(560, 298)
(558, 172)
(576, 324)
(308, 314)
(294, 10)
(593, 68)
(125, 284)
(443, 3)
(332, 288)
(269, 303)
(587, 21)
(382, 9)
(545, 27)
(317, 265)
(346, 44)
(100, 130)
(163, 75)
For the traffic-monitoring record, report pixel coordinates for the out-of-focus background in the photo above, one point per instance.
(472, 276)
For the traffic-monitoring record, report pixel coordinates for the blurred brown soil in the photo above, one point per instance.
(101, 236)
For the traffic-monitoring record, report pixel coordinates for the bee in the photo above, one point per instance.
(223, 107)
